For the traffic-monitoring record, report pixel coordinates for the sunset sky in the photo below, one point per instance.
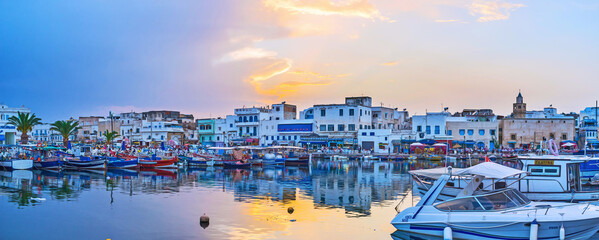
(74, 58)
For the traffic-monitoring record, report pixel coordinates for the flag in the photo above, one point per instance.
(487, 159)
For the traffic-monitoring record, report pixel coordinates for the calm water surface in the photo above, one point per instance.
(335, 200)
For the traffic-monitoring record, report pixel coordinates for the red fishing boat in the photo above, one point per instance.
(167, 163)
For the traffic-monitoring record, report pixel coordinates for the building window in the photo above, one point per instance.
(552, 135)
(481, 132)
(341, 127)
(351, 127)
(437, 130)
(428, 129)
(331, 128)
(492, 132)
(360, 126)
(323, 112)
(340, 112)
(363, 133)
(351, 111)
(386, 114)
(564, 136)
(470, 132)
(419, 129)
(360, 112)
(462, 132)
(513, 137)
(449, 132)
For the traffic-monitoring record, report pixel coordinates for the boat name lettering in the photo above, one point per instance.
(543, 162)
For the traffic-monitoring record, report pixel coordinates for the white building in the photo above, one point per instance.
(285, 132)
(430, 126)
(131, 125)
(225, 130)
(380, 140)
(8, 132)
(341, 120)
(162, 131)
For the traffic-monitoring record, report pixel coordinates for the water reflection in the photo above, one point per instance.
(245, 203)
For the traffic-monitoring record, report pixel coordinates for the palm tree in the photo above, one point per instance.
(111, 136)
(66, 129)
(24, 123)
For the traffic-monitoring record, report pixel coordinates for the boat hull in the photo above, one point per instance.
(95, 164)
(48, 165)
(123, 164)
(145, 164)
(236, 165)
(19, 164)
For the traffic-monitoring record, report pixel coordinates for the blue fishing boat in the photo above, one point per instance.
(55, 164)
(93, 164)
(121, 163)
(236, 164)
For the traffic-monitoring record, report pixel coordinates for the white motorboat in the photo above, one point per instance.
(499, 214)
(17, 164)
(549, 179)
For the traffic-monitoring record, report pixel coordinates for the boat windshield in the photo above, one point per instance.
(499, 200)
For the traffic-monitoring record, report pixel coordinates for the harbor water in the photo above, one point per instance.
(330, 200)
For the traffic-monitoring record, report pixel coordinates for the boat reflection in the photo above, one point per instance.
(353, 186)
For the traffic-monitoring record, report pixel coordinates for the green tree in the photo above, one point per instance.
(24, 123)
(66, 129)
(111, 136)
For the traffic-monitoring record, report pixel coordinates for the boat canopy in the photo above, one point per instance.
(490, 170)
(434, 173)
(485, 169)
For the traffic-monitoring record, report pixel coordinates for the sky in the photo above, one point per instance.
(70, 58)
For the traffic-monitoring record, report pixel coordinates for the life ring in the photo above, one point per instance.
(552, 146)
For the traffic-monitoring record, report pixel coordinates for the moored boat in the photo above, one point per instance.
(92, 164)
(168, 163)
(121, 163)
(17, 164)
(53, 164)
(237, 164)
(501, 214)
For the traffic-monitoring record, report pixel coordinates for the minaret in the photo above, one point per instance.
(519, 107)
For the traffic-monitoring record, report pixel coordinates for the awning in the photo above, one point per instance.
(489, 170)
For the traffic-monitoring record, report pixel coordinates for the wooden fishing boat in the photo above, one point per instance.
(52, 164)
(236, 164)
(121, 163)
(168, 163)
(92, 164)
(304, 160)
(17, 164)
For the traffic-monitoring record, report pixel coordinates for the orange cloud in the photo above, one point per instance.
(390, 63)
(276, 81)
(492, 10)
(349, 8)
